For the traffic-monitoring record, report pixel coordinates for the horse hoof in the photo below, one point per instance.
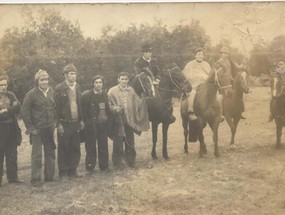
(217, 154)
(166, 158)
(277, 146)
(186, 151)
(154, 157)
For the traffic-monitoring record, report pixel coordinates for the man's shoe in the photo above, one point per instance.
(75, 175)
(15, 181)
(37, 183)
(64, 178)
(89, 172)
(105, 170)
(192, 116)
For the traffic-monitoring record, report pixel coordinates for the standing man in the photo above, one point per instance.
(96, 115)
(9, 131)
(196, 72)
(280, 73)
(69, 123)
(39, 115)
(146, 63)
(123, 101)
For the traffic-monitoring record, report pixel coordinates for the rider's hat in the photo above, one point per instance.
(146, 48)
(225, 50)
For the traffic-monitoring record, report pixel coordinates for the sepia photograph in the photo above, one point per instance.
(154, 108)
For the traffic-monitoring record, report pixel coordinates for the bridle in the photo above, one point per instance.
(141, 83)
(217, 80)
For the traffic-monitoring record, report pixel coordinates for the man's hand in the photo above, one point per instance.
(3, 110)
(60, 129)
(118, 109)
(81, 125)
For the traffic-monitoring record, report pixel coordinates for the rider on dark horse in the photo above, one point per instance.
(280, 74)
(148, 64)
(230, 68)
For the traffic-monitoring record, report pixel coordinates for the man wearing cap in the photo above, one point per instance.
(146, 63)
(39, 115)
(96, 116)
(69, 123)
(9, 139)
(196, 72)
(230, 68)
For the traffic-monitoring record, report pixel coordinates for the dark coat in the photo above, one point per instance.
(150, 68)
(61, 98)
(90, 111)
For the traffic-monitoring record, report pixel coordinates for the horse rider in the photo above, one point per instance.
(229, 67)
(280, 73)
(149, 65)
(196, 72)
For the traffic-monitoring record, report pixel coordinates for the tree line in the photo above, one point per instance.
(51, 41)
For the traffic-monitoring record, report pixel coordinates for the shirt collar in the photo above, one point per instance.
(127, 88)
(72, 87)
(97, 92)
(44, 92)
(148, 60)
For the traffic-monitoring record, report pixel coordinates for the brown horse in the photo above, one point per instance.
(233, 102)
(160, 107)
(278, 107)
(207, 109)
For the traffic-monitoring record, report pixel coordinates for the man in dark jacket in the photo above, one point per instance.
(9, 131)
(148, 64)
(69, 123)
(39, 115)
(96, 116)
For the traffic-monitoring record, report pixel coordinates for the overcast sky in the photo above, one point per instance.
(243, 23)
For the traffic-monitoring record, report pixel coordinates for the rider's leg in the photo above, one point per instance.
(272, 109)
(191, 98)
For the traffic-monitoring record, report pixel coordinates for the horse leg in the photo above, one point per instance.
(231, 125)
(154, 126)
(214, 125)
(203, 148)
(278, 133)
(234, 129)
(185, 123)
(164, 140)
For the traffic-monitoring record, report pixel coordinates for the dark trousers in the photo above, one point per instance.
(69, 149)
(118, 148)
(8, 148)
(94, 136)
(41, 143)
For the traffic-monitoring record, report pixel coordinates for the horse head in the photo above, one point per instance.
(276, 86)
(241, 81)
(178, 80)
(142, 84)
(223, 80)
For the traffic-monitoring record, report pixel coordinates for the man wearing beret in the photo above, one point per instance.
(39, 115)
(9, 109)
(69, 123)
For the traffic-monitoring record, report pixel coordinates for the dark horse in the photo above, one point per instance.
(233, 102)
(278, 106)
(207, 109)
(160, 107)
(142, 84)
